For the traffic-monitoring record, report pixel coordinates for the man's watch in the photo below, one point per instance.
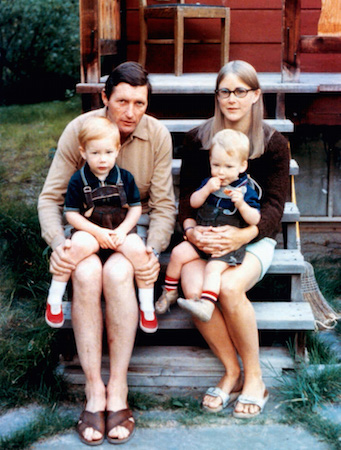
(157, 254)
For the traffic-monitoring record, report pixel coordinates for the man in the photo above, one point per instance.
(147, 153)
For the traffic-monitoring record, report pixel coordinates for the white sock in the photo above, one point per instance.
(146, 299)
(56, 292)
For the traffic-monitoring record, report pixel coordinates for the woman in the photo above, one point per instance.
(233, 328)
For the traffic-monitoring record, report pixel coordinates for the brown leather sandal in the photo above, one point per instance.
(120, 419)
(91, 420)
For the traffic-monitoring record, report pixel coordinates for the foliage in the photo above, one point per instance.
(39, 49)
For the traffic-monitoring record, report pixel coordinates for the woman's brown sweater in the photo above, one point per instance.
(270, 171)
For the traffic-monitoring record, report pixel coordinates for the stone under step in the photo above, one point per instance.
(158, 369)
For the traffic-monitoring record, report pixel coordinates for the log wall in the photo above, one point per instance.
(256, 27)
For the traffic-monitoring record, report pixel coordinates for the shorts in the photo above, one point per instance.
(264, 252)
(142, 228)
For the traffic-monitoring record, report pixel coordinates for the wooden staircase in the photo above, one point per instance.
(176, 357)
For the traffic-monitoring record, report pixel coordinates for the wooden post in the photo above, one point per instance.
(291, 30)
(225, 38)
(178, 41)
(89, 47)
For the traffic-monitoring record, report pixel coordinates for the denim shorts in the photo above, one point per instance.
(264, 251)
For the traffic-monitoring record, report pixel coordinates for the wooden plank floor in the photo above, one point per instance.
(158, 369)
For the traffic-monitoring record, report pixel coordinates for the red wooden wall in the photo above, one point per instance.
(256, 31)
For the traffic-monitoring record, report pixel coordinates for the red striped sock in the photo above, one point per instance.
(171, 283)
(209, 295)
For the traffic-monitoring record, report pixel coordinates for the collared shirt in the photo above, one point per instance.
(147, 154)
(75, 197)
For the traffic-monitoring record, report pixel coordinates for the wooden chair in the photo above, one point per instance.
(327, 39)
(179, 12)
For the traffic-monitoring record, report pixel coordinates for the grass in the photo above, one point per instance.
(29, 349)
(28, 135)
(48, 423)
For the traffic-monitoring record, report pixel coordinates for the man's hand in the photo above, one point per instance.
(60, 262)
(150, 271)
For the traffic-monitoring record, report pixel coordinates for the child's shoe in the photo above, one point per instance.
(200, 308)
(148, 321)
(54, 315)
(166, 299)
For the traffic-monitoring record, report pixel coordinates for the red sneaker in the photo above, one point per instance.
(148, 321)
(54, 315)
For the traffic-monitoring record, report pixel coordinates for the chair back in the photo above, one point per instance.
(109, 19)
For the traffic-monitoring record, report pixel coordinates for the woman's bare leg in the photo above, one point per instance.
(215, 333)
(241, 322)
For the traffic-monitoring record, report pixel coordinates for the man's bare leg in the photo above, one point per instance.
(87, 324)
(121, 323)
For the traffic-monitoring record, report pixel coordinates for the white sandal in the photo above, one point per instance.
(245, 400)
(226, 399)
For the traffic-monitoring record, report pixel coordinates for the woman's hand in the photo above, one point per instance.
(150, 271)
(60, 262)
(219, 241)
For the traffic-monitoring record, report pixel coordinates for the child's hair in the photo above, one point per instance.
(235, 143)
(98, 127)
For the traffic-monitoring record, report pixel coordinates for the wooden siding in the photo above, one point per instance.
(255, 37)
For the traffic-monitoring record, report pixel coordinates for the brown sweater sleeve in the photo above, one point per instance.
(194, 168)
(271, 171)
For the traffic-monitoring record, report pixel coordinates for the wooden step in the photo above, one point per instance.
(184, 125)
(291, 316)
(157, 369)
(204, 83)
(176, 167)
(287, 262)
(291, 213)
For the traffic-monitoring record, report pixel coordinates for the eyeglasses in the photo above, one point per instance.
(239, 92)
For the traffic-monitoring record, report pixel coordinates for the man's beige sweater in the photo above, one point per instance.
(147, 154)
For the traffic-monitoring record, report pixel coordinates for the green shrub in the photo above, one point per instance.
(39, 49)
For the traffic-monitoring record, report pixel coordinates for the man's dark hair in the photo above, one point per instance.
(128, 72)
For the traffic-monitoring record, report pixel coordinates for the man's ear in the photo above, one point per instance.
(82, 152)
(105, 99)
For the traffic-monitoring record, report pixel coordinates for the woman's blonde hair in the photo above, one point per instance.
(259, 132)
(235, 143)
(98, 127)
